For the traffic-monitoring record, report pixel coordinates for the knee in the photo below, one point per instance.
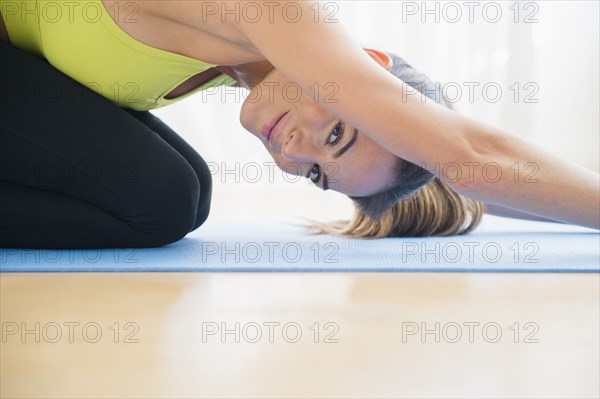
(205, 180)
(172, 211)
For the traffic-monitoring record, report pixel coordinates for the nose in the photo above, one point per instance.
(299, 147)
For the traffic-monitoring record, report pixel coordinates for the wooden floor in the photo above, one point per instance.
(151, 335)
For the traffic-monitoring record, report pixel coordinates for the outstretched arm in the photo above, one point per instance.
(323, 60)
(517, 174)
(496, 210)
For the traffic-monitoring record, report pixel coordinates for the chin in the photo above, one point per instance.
(245, 117)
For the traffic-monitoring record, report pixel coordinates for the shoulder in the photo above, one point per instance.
(258, 21)
(303, 41)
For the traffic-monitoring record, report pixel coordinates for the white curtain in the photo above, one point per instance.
(528, 68)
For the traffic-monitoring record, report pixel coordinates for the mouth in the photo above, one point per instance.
(271, 130)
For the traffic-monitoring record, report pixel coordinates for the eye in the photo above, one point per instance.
(315, 174)
(336, 133)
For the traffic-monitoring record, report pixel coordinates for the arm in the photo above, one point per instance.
(547, 185)
(317, 56)
(496, 210)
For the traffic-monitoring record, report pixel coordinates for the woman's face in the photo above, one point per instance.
(308, 140)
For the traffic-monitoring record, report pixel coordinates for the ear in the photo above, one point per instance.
(381, 57)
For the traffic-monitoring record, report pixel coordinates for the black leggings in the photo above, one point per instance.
(77, 171)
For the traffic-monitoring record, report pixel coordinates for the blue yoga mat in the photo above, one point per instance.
(498, 245)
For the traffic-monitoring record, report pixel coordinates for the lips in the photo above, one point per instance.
(271, 130)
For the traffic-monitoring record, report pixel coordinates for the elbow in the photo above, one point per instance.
(464, 177)
(481, 167)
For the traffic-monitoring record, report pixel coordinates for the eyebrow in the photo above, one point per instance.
(347, 146)
(338, 154)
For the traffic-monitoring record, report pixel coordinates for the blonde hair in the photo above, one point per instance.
(416, 203)
(434, 210)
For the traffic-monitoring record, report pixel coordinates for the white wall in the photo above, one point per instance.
(558, 56)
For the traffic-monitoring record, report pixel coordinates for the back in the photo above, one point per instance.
(84, 42)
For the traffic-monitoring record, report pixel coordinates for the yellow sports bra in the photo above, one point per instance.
(81, 39)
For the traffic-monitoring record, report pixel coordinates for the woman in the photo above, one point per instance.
(84, 165)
